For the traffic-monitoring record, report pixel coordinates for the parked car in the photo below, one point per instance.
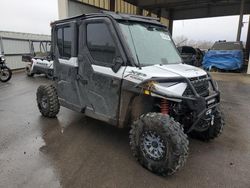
(191, 56)
(126, 71)
(224, 55)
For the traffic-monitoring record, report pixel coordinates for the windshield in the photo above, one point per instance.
(150, 44)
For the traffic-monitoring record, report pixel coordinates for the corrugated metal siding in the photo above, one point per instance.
(104, 4)
(75, 8)
(122, 7)
(15, 44)
(15, 62)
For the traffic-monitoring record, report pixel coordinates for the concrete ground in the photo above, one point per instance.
(74, 151)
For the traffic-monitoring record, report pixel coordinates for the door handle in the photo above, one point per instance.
(78, 77)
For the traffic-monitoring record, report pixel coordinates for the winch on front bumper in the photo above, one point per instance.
(201, 96)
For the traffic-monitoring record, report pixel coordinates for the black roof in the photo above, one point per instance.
(114, 15)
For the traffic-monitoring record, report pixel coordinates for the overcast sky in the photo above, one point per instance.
(34, 16)
(211, 29)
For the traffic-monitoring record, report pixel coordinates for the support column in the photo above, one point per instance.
(139, 11)
(248, 39)
(170, 27)
(168, 14)
(248, 47)
(112, 5)
(159, 13)
(248, 69)
(1, 46)
(240, 20)
(63, 9)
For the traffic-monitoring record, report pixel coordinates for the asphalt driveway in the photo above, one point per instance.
(75, 151)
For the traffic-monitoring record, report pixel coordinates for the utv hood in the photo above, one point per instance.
(183, 70)
(164, 71)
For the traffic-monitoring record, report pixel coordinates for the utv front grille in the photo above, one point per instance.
(201, 86)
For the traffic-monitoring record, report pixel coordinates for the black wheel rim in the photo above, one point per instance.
(153, 146)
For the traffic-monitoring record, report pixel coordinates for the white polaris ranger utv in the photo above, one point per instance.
(40, 62)
(125, 70)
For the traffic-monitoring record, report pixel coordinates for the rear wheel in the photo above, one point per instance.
(5, 74)
(159, 143)
(28, 71)
(50, 74)
(47, 101)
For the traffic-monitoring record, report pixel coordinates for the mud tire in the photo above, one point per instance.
(173, 137)
(47, 101)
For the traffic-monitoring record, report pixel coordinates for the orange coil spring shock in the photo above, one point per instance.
(164, 106)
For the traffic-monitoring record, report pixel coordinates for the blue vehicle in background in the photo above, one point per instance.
(225, 56)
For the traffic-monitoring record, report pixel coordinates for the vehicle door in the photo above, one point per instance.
(101, 67)
(66, 64)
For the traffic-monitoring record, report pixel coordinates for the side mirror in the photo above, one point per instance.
(118, 62)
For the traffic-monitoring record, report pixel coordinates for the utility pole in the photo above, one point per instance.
(240, 20)
(248, 46)
(248, 38)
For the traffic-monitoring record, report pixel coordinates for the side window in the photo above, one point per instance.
(64, 42)
(60, 41)
(67, 41)
(100, 43)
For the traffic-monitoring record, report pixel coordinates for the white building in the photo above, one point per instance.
(14, 44)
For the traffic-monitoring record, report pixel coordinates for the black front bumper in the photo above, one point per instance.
(201, 106)
(196, 103)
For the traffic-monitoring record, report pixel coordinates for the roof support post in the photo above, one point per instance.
(248, 47)
(1, 46)
(166, 14)
(248, 69)
(139, 11)
(112, 5)
(63, 9)
(170, 27)
(171, 22)
(240, 20)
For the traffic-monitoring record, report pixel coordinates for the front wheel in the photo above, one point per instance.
(159, 143)
(5, 74)
(214, 130)
(47, 101)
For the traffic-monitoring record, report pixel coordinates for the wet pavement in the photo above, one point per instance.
(75, 151)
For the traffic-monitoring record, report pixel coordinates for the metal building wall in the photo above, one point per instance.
(103, 4)
(15, 44)
(76, 8)
(120, 6)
